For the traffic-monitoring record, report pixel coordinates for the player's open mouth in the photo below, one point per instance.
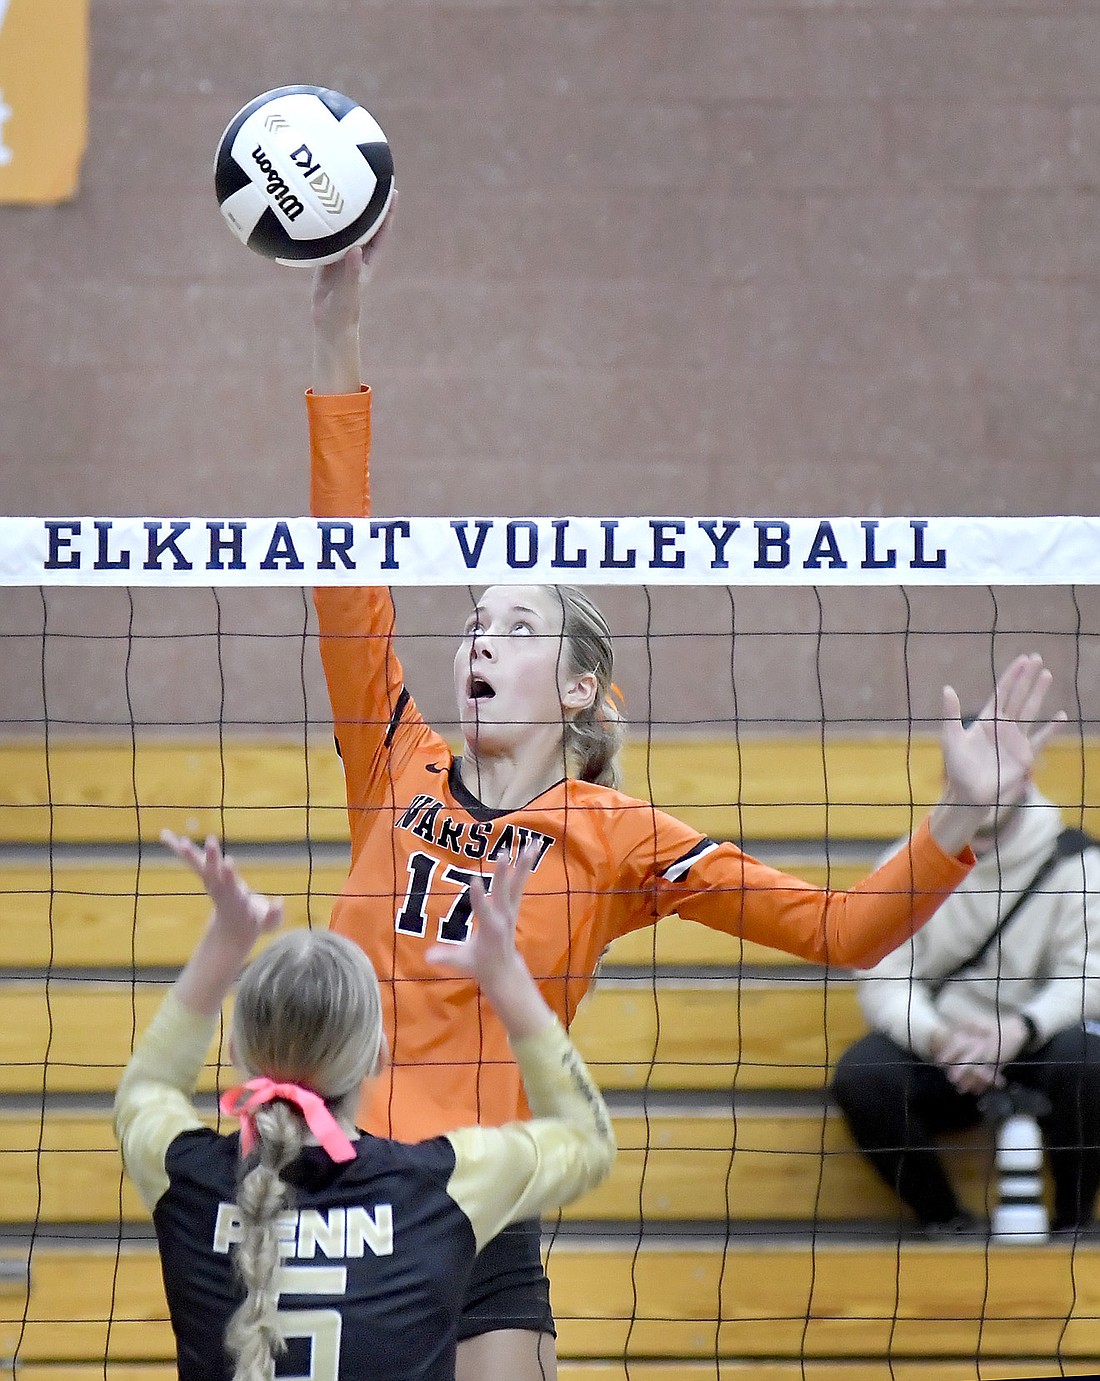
(478, 689)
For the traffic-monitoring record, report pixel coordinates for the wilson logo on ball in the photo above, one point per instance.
(277, 189)
(302, 173)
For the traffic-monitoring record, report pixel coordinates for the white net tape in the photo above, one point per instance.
(581, 551)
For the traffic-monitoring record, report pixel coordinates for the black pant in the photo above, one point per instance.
(896, 1105)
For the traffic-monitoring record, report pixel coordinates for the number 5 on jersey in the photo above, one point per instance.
(320, 1327)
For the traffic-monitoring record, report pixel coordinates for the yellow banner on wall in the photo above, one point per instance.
(43, 98)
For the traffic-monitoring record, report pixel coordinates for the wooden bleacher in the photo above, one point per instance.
(740, 1233)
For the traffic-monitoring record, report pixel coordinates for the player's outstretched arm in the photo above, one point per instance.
(363, 672)
(337, 288)
(153, 1102)
(989, 762)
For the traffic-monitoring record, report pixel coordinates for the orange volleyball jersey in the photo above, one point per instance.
(607, 863)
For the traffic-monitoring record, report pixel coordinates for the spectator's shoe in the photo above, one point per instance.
(964, 1224)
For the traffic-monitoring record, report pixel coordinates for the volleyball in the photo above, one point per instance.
(302, 174)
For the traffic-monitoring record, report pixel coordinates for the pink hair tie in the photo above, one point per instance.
(243, 1101)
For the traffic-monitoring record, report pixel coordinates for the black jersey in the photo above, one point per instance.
(375, 1249)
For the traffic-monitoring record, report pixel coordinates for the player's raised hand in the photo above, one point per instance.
(241, 915)
(990, 761)
(336, 287)
(335, 306)
(987, 764)
(491, 948)
(369, 251)
(490, 955)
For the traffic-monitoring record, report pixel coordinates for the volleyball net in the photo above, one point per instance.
(782, 681)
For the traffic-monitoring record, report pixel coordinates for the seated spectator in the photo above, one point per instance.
(992, 1001)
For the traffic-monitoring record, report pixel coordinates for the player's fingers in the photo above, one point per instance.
(448, 957)
(510, 879)
(212, 857)
(1012, 673)
(1042, 735)
(274, 912)
(496, 885)
(1001, 704)
(176, 842)
(1025, 696)
(483, 901)
(507, 884)
(528, 856)
(952, 709)
(183, 848)
(1031, 709)
(370, 249)
(1024, 686)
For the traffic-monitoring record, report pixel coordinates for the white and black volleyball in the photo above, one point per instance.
(302, 174)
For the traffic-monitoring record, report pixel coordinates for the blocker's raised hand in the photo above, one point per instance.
(490, 956)
(240, 917)
(490, 952)
(240, 914)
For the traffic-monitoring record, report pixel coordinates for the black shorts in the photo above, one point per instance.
(508, 1287)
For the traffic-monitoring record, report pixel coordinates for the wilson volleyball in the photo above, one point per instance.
(302, 174)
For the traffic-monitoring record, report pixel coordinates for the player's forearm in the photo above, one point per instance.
(170, 1052)
(886, 908)
(206, 978)
(558, 1085)
(953, 824)
(514, 996)
(524, 1169)
(336, 367)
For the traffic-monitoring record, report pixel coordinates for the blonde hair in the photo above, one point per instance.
(593, 736)
(308, 1011)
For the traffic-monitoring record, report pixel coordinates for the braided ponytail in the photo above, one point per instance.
(253, 1337)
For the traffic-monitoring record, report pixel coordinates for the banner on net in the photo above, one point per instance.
(583, 551)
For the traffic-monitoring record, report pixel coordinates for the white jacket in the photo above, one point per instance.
(1046, 963)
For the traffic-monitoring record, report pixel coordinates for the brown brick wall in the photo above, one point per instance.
(737, 256)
